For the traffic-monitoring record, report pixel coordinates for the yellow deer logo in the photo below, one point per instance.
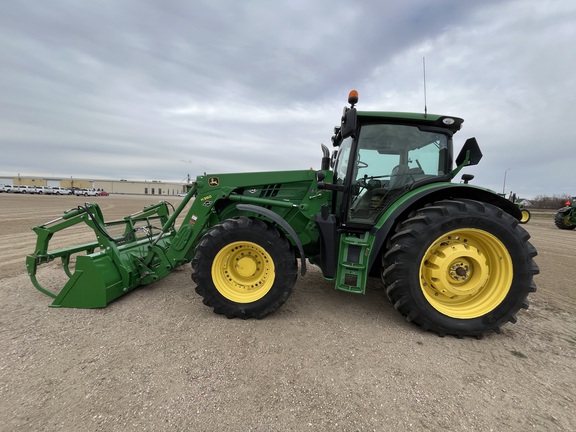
(213, 181)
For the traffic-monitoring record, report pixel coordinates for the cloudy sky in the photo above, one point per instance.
(159, 89)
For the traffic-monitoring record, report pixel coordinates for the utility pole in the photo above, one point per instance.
(504, 185)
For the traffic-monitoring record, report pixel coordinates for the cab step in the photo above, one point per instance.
(353, 259)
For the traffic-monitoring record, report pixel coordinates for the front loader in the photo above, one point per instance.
(452, 256)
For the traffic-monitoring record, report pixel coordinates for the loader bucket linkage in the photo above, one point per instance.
(112, 265)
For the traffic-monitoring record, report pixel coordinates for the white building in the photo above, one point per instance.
(146, 187)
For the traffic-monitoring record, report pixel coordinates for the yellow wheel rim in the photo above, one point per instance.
(243, 272)
(466, 273)
(525, 216)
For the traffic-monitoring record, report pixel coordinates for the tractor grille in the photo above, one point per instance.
(270, 191)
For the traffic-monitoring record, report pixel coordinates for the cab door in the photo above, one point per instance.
(382, 164)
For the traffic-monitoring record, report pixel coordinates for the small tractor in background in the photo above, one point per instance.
(565, 218)
(452, 256)
(525, 213)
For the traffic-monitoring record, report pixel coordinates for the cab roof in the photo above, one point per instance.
(448, 122)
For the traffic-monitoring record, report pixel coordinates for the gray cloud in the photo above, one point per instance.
(146, 89)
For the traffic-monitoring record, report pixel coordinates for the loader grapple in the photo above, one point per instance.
(117, 261)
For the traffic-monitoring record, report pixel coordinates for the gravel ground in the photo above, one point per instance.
(158, 359)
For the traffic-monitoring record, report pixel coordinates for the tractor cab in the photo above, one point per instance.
(380, 156)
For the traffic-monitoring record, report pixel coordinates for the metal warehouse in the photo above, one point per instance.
(145, 187)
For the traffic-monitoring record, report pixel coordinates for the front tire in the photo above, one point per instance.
(460, 267)
(244, 268)
(525, 216)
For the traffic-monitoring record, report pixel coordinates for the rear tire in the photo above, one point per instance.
(244, 268)
(460, 267)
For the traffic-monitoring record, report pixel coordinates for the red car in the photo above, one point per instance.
(103, 193)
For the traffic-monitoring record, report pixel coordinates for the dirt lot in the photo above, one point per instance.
(158, 359)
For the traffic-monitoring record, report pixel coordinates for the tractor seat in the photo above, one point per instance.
(377, 184)
(402, 176)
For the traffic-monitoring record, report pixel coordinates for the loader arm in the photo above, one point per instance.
(149, 246)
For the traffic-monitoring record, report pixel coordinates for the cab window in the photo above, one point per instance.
(389, 159)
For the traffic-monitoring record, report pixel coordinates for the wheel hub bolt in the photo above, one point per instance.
(460, 271)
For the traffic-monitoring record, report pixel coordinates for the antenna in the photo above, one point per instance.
(424, 71)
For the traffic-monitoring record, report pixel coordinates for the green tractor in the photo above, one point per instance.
(565, 218)
(452, 256)
(525, 213)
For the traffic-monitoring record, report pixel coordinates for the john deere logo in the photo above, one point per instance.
(213, 181)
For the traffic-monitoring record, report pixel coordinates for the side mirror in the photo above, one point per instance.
(470, 153)
(349, 122)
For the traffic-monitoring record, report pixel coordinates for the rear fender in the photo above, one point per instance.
(428, 194)
(566, 210)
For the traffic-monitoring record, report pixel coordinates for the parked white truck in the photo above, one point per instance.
(86, 192)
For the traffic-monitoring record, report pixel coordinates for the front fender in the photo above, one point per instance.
(282, 223)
